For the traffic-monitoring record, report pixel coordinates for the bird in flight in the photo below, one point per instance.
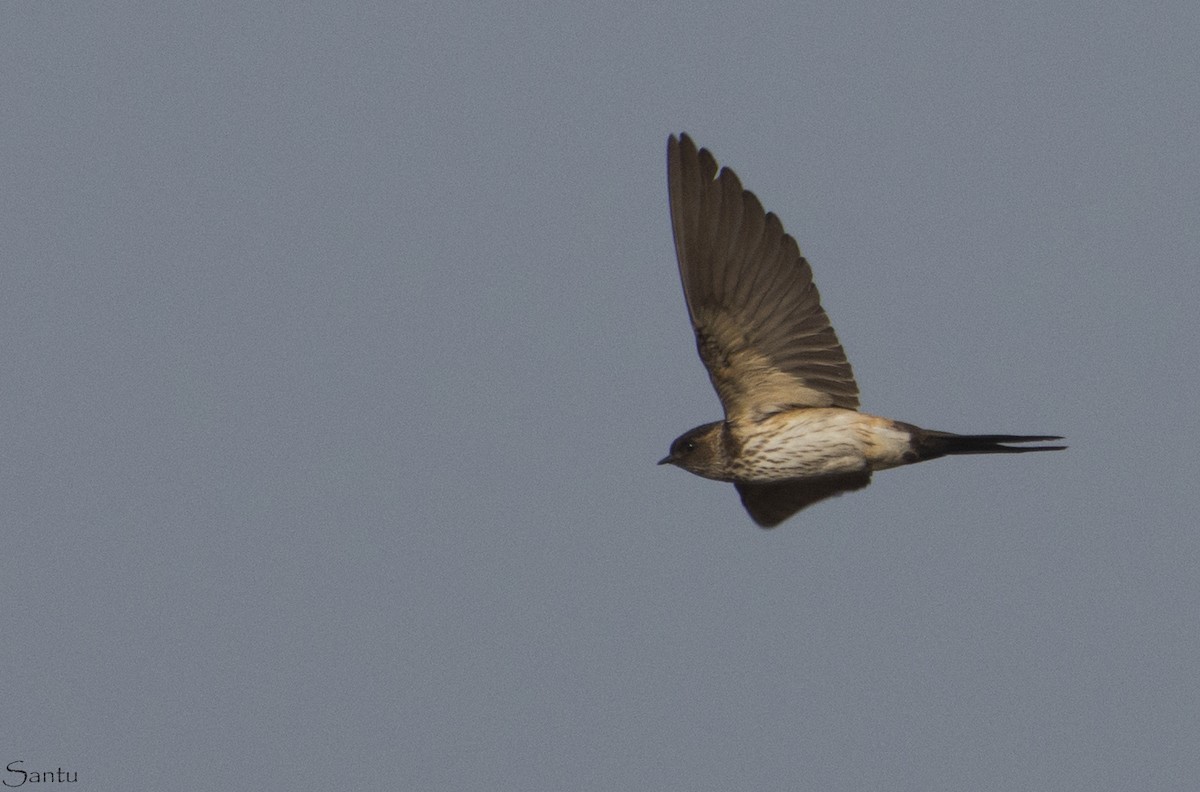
(792, 433)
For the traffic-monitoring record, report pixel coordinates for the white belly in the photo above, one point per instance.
(818, 442)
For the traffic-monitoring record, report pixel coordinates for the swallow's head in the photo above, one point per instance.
(700, 451)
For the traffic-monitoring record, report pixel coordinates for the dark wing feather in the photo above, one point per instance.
(760, 328)
(771, 503)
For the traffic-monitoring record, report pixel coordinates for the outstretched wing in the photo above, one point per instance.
(760, 328)
(771, 503)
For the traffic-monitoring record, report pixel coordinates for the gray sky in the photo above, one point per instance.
(340, 342)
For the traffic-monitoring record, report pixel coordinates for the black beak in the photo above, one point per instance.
(665, 460)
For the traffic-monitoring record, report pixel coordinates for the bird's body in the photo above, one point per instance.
(803, 443)
(792, 433)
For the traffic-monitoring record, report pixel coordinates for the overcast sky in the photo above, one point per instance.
(340, 341)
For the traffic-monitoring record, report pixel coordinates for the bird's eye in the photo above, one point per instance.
(690, 445)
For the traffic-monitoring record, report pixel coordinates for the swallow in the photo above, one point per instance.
(793, 434)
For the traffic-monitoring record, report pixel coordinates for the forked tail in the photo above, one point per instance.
(930, 444)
